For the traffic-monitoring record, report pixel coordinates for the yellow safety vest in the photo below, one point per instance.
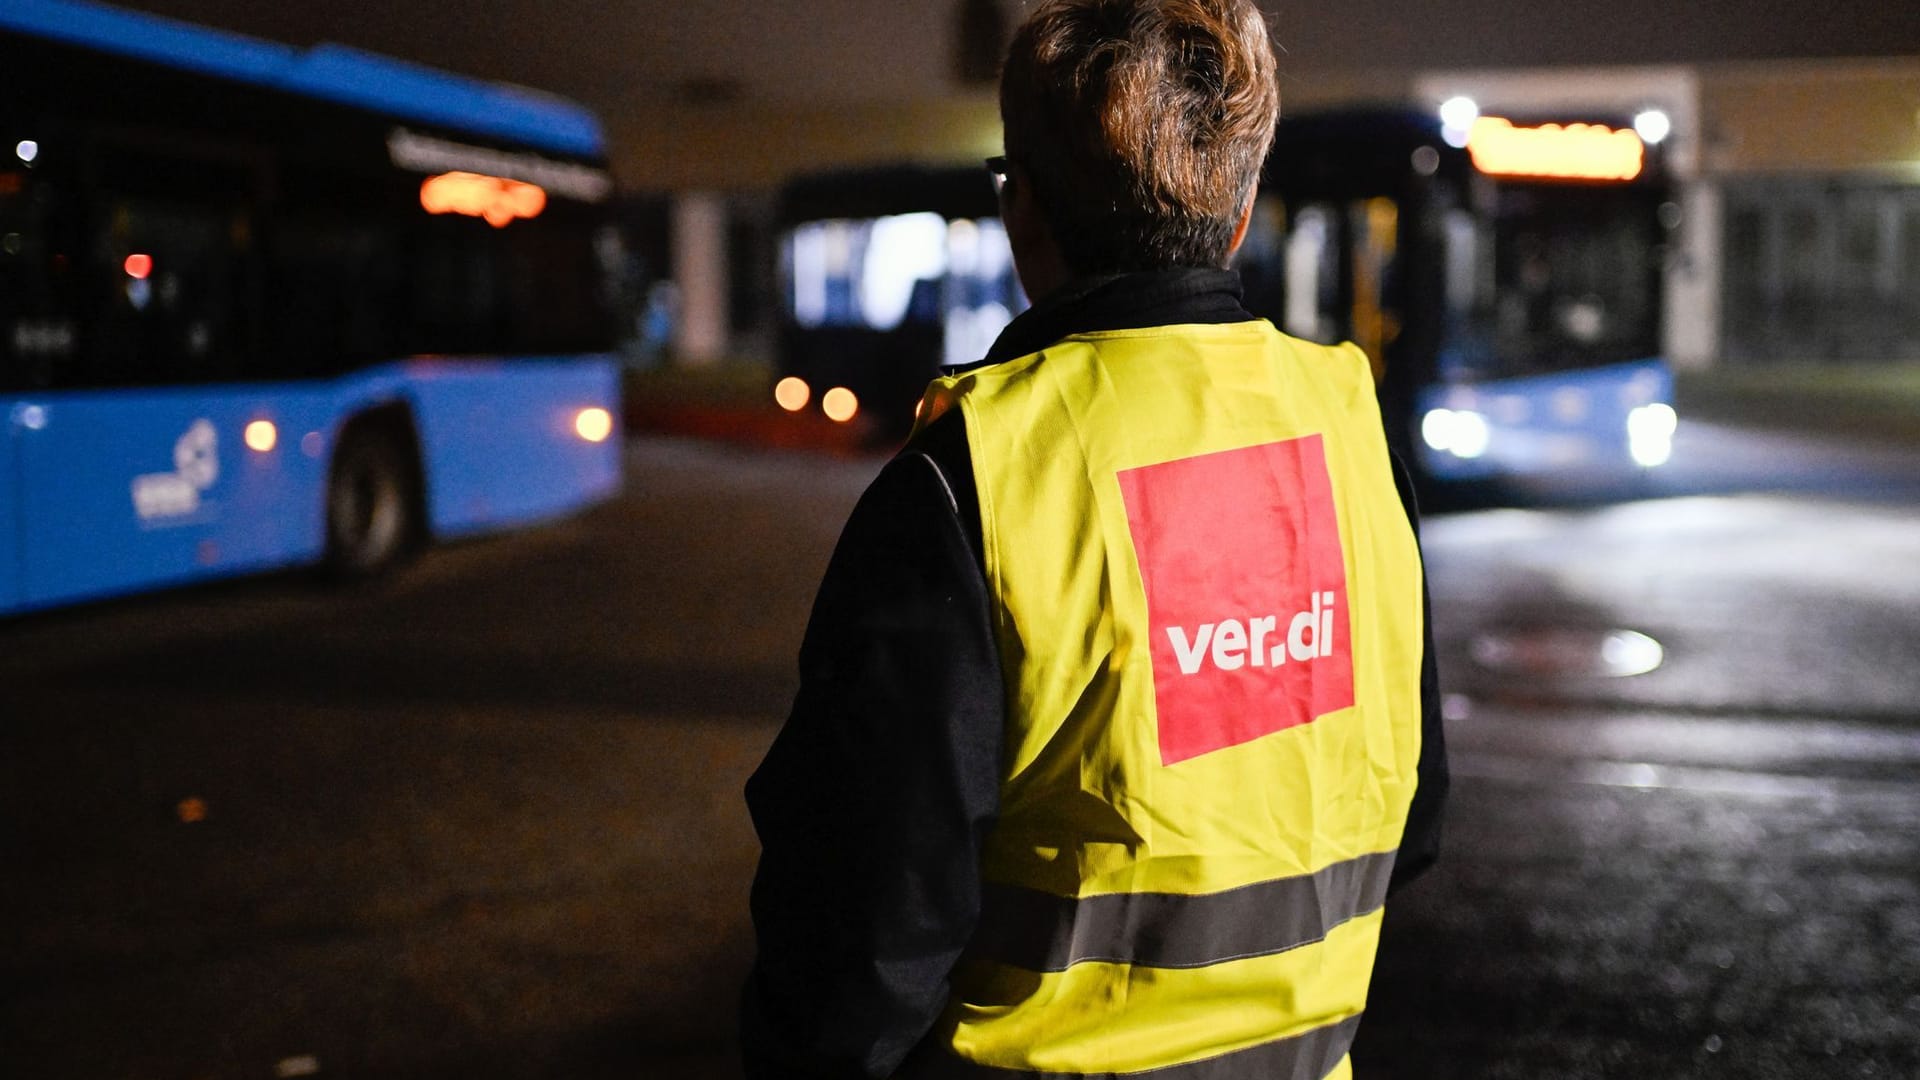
(1207, 600)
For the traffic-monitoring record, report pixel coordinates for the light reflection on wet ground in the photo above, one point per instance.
(1765, 603)
(1705, 870)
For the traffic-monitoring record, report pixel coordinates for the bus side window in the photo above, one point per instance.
(1466, 352)
(819, 261)
(553, 286)
(1313, 301)
(40, 241)
(331, 296)
(171, 240)
(980, 293)
(1261, 259)
(333, 275)
(454, 285)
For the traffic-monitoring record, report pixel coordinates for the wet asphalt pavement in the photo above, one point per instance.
(1617, 901)
(483, 819)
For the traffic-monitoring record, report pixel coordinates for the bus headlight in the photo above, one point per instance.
(792, 393)
(594, 425)
(1650, 431)
(1460, 432)
(839, 404)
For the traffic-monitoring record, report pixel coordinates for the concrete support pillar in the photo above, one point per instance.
(699, 231)
(1693, 279)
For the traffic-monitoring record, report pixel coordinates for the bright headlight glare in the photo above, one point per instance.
(1457, 116)
(1650, 431)
(1657, 420)
(1459, 112)
(1471, 435)
(1653, 125)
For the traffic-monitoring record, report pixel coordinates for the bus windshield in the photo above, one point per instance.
(1558, 277)
(915, 270)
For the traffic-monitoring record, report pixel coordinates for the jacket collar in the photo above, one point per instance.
(1180, 296)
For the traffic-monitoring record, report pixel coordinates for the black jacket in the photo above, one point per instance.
(874, 802)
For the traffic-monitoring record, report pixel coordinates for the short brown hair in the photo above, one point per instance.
(1141, 124)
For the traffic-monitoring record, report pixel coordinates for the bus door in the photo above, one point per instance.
(1329, 270)
(1373, 229)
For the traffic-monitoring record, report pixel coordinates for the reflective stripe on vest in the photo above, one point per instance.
(1317, 1054)
(1039, 931)
(1207, 602)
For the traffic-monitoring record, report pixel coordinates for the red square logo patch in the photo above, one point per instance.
(1246, 593)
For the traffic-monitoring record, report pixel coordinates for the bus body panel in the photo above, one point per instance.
(10, 540)
(132, 489)
(128, 490)
(1566, 423)
(501, 443)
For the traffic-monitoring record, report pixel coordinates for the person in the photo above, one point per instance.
(1117, 716)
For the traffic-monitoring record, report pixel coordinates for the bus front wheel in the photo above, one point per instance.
(372, 505)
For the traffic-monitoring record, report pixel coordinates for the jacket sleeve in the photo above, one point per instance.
(1420, 843)
(877, 794)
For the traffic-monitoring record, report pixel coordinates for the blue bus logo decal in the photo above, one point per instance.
(171, 497)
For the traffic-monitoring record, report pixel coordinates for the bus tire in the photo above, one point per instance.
(373, 504)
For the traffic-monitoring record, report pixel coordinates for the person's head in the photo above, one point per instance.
(1136, 129)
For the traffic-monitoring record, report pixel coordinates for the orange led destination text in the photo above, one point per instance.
(498, 200)
(1573, 152)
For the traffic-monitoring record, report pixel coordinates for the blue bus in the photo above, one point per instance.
(1505, 276)
(263, 306)
(887, 274)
